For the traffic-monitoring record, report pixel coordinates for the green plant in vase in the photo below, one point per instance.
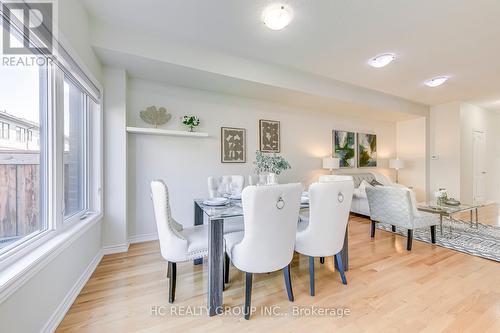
(191, 122)
(272, 164)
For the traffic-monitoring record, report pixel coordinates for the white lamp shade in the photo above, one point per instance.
(396, 163)
(331, 163)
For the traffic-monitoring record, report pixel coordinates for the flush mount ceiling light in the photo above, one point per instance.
(277, 16)
(382, 60)
(436, 81)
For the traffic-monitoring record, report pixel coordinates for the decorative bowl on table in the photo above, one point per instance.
(216, 202)
(452, 202)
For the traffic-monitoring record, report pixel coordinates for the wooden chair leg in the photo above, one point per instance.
(393, 228)
(226, 268)
(288, 282)
(321, 260)
(409, 240)
(311, 275)
(248, 294)
(340, 265)
(172, 269)
(433, 234)
(373, 229)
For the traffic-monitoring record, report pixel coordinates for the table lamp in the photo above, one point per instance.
(331, 163)
(396, 164)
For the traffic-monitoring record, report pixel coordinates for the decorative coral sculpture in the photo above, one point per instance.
(155, 116)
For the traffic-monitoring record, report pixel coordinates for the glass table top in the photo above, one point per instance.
(233, 208)
(433, 207)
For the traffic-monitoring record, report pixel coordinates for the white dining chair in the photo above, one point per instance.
(217, 187)
(220, 186)
(257, 179)
(324, 232)
(267, 243)
(177, 243)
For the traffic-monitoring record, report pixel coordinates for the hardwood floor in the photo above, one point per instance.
(430, 289)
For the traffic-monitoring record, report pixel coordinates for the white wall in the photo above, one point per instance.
(40, 303)
(75, 27)
(115, 160)
(445, 148)
(452, 127)
(185, 163)
(411, 148)
(493, 148)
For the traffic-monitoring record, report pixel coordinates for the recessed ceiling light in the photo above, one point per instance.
(382, 60)
(436, 81)
(277, 16)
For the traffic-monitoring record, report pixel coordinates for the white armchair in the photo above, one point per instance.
(176, 243)
(323, 234)
(267, 244)
(397, 206)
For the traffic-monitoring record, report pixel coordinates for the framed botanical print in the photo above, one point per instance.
(344, 147)
(367, 150)
(233, 145)
(269, 133)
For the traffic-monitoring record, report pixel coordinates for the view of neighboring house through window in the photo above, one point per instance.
(22, 191)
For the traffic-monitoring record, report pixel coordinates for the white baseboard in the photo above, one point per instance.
(65, 305)
(143, 238)
(110, 249)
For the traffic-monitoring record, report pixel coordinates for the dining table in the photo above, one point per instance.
(216, 216)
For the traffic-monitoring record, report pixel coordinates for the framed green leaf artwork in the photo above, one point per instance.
(367, 150)
(344, 147)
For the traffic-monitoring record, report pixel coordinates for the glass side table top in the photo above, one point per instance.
(233, 208)
(433, 207)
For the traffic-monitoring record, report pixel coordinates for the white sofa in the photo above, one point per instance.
(359, 203)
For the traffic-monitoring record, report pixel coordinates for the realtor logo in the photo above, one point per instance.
(34, 20)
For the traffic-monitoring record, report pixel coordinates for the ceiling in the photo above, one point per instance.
(158, 71)
(335, 38)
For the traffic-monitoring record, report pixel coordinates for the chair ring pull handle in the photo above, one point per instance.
(280, 203)
(340, 197)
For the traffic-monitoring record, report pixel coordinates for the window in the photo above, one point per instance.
(75, 124)
(23, 92)
(20, 134)
(50, 171)
(5, 128)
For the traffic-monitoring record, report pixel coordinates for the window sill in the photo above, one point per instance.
(15, 275)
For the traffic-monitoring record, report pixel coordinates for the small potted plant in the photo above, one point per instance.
(273, 164)
(441, 196)
(191, 122)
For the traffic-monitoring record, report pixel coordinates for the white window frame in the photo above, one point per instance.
(18, 250)
(77, 216)
(54, 186)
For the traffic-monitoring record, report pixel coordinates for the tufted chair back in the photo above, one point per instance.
(270, 217)
(217, 185)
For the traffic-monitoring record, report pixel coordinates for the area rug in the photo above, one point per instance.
(483, 241)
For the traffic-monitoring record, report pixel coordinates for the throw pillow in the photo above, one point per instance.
(364, 184)
(376, 183)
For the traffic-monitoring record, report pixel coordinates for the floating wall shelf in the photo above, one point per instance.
(158, 131)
